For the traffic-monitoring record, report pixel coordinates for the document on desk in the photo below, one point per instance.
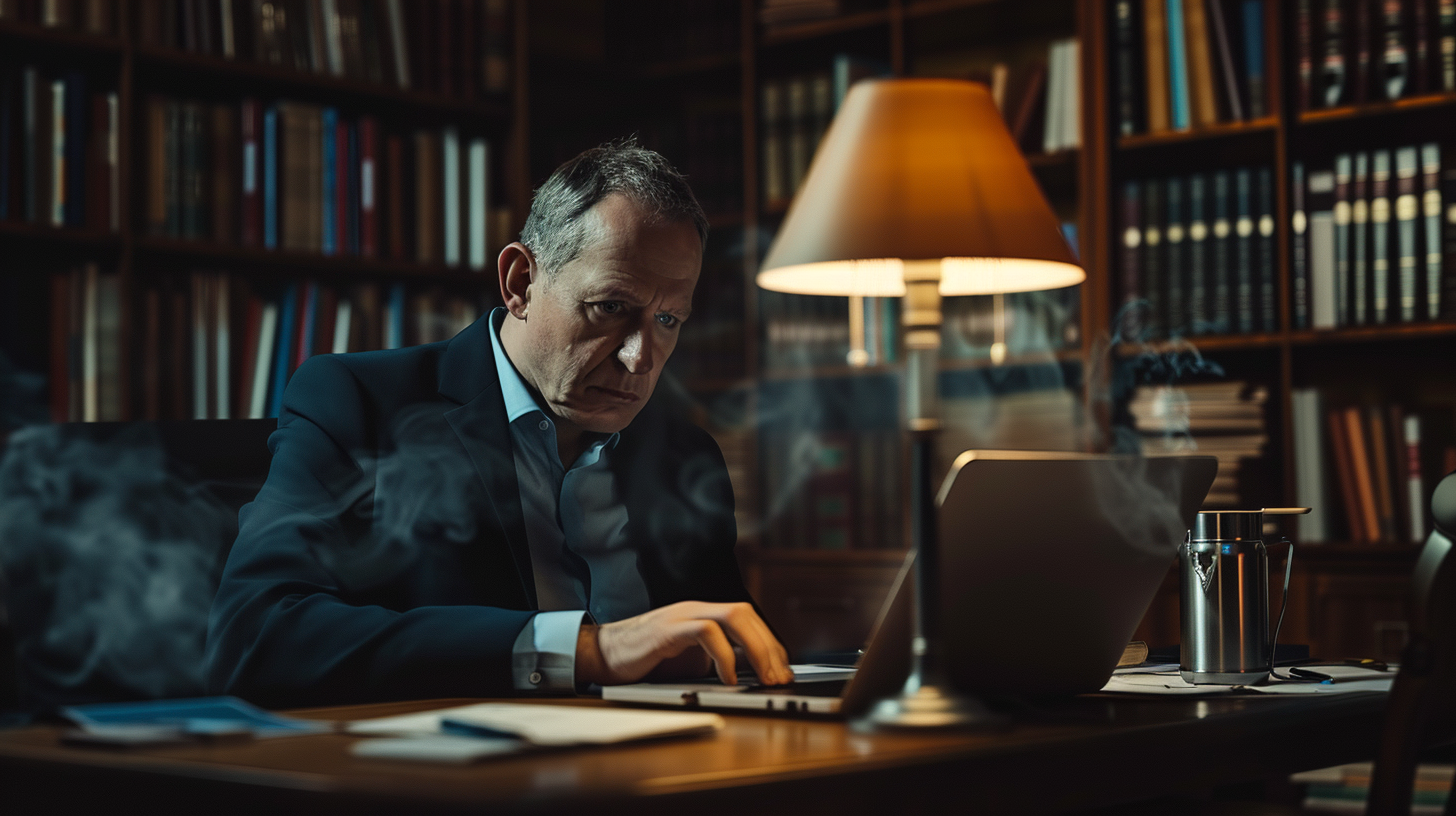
(544, 725)
(1171, 683)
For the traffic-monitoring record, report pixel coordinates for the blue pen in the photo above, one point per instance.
(468, 729)
(1307, 674)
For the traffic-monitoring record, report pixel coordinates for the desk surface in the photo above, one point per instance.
(1089, 752)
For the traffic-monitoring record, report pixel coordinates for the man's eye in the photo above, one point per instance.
(610, 307)
(668, 320)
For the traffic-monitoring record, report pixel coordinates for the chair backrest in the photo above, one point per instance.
(1422, 707)
(112, 538)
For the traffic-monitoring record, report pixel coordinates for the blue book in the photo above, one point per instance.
(74, 214)
(287, 317)
(1244, 228)
(354, 191)
(270, 179)
(394, 327)
(1254, 57)
(331, 181)
(1182, 106)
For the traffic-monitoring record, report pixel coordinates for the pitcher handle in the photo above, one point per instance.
(1283, 602)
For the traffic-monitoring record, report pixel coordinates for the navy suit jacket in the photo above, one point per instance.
(385, 556)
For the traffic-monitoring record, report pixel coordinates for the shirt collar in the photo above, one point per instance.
(518, 399)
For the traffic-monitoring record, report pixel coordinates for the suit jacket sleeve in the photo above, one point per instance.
(298, 618)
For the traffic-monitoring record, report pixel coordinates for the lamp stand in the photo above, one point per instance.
(927, 699)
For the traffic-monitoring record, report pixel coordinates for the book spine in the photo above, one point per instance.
(1154, 281)
(1364, 482)
(222, 346)
(76, 127)
(1345, 473)
(329, 198)
(1176, 265)
(1304, 53)
(307, 321)
(394, 195)
(1431, 210)
(1228, 75)
(1155, 64)
(30, 96)
(1415, 490)
(1380, 473)
(1360, 251)
(476, 218)
(1394, 58)
(270, 178)
(1420, 27)
(1180, 103)
(1309, 464)
(1198, 254)
(1244, 247)
(1222, 252)
(1321, 249)
(1128, 119)
(1447, 306)
(60, 347)
(200, 352)
(345, 194)
(283, 349)
(1332, 73)
(263, 361)
(1446, 43)
(368, 181)
(1299, 248)
(1130, 324)
(1343, 175)
(224, 173)
(349, 136)
(1360, 87)
(1407, 207)
(251, 119)
(1267, 296)
(450, 164)
(56, 182)
(248, 363)
(1380, 236)
(1204, 100)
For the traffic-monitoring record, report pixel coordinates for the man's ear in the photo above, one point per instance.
(517, 269)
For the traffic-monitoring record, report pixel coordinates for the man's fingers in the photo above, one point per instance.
(769, 659)
(710, 636)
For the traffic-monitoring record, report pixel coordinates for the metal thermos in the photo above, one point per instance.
(1224, 577)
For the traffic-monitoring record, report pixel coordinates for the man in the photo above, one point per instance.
(507, 511)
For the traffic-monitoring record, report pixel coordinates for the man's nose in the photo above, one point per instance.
(636, 353)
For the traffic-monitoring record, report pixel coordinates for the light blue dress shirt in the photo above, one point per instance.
(576, 530)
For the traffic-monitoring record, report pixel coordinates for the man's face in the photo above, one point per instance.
(599, 329)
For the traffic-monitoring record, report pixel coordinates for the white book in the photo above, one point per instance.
(1322, 290)
(113, 158)
(229, 38)
(333, 37)
(450, 162)
(90, 362)
(200, 303)
(1310, 484)
(58, 158)
(343, 319)
(263, 360)
(222, 363)
(1055, 104)
(1410, 457)
(1072, 117)
(476, 233)
(395, 11)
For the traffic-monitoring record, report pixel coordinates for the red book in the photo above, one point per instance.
(368, 167)
(252, 324)
(252, 173)
(341, 187)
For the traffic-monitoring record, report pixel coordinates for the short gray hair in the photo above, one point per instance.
(554, 232)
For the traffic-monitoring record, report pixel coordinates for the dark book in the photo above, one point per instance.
(76, 127)
(251, 172)
(373, 42)
(1244, 250)
(9, 160)
(1407, 211)
(1154, 280)
(328, 200)
(467, 60)
(1359, 298)
(393, 196)
(1176, 265)
(446, 45)
(349, 174)
(173, 133)
(1131, 323)
(1304, 25)
(102, 170)
(1332, 67)
(1228, 81)
(225, 173)
(1380, 217)
(1419, 20)
(1222, 266)
(1378, 454)
(36, 98)
(1362, 32)
(192, 172)
(1266, 296)
(1298, 249)
(1343, 214)
(1431, 208)
(1395, 56)
(1198, 244)
(1446, 42)
(60, 347)
(1447, 301)
(271, 162)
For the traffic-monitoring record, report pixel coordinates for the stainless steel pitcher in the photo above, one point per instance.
(1224, 578)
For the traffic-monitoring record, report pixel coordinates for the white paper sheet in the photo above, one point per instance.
(550, 724)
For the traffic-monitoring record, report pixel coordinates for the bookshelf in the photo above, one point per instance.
(450, 89)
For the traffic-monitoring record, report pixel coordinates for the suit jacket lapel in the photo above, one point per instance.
(467, 375)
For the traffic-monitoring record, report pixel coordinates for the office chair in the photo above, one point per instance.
(1422, 712)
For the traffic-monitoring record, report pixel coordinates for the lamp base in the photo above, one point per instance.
(932, 707)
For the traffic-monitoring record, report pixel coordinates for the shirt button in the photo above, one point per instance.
(544, 425)
(535, 678)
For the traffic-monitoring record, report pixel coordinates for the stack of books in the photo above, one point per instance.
(1223, 419)
(1344, 788)
(1181, 64)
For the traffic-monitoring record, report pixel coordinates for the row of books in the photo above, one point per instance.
(794, 113)
(704, 139)
(460, 48)
(301, 177)
(1226, 420)
(1370, 238)
(1198, 255)
(1368, 470)
(1180, 64)
(832, 490)
(59, 150)
(89, 16)
(1345, 788)
(1349, 52)
(216, 346)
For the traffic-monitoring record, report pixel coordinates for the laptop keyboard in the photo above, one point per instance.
(811, 688)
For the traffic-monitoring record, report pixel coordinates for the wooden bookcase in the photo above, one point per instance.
(124, 62)
(655, 61)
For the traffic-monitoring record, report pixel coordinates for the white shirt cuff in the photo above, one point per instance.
(543, 658)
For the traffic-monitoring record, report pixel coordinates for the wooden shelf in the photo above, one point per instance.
(20, 33)
(43, 234)
(1341, 114)
(1361, 334)
(690, 66)
(1268, 124)
(799, 32)
(169, 58)
(1061, 158)
(929, 8)
(1223, 342)
(294, 264)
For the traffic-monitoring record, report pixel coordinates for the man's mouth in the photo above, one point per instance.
(615, 395)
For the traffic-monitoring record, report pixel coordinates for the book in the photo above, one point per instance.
(1344, 168)
(1230, 88)
(450, 189)
(1156, 67)
(1127, 67)
(1198, 273)
(1254, 59)
(1306, 410)
(1204, 99)
(1446, 42)
(1177, 262)
(1407, 209)
(1380, 471)
(1411, 469)
(1154, 280)
(477, 218)
(1431, 236)
(271, 162)
(328, 199)
(1322, 292)
(1266, 285)
(1298, 248)
(1360, 464)
(1363, 48)
(1380, 217)
(1222, 266)
(1129, 326)
(1395, 61)
(1244, 308)
(1304, 27)
(1359, 298)
(1344, 469)
(1332, 67)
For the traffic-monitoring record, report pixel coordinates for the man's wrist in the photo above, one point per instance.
(588, 656)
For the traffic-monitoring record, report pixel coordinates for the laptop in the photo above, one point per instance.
(1048, 562)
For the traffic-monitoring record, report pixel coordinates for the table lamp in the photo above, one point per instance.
(918, 191)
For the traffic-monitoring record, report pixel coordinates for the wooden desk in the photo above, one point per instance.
(1089, 752)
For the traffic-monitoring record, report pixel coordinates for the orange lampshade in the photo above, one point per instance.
(918, 170)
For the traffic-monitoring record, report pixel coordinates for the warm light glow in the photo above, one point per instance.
(884, 277)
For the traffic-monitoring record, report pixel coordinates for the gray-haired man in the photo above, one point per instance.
(508, 510)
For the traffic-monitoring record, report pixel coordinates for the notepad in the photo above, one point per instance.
(549, 725)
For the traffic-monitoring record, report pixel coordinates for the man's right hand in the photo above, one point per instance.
(628, 650)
